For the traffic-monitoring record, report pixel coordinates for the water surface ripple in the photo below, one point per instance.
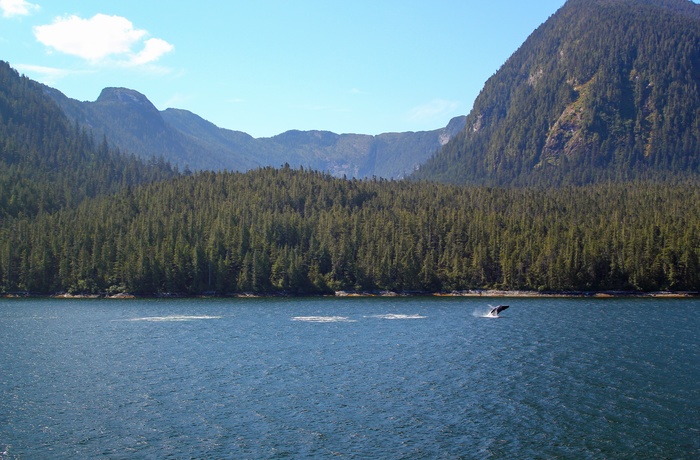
(353, 378)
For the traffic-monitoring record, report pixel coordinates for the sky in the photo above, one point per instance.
(265, 67)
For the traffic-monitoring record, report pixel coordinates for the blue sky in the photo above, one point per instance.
(265, 67)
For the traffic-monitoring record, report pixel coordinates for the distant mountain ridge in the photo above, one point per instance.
(133, 124)
(604, 90)
(47, 163)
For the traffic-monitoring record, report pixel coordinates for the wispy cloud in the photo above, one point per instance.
(46, 75)
(12, 8)
(431, 110)
(102, 38)
(177, 100)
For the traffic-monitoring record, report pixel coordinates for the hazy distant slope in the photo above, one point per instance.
(220, 148)
(131, 122)
(603, 90)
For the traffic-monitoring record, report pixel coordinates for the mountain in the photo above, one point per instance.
(131, 122)
(48, 163)
(80, 217)
(603, 90)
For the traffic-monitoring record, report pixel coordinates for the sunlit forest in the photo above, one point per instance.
(573, 174)
(300, 232)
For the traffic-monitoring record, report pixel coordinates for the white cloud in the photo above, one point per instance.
(154, 48)
(100, 38)
(431, 110)
(17, 8)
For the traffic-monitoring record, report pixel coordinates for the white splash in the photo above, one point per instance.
(398, 316)
(481, 313)
(174, 318)
(323, 319)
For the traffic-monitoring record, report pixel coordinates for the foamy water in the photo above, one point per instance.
(174, 318)
(345, 319)
(397, 316)
(323, 319)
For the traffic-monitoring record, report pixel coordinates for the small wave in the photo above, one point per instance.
(397, 316)
(323, 319)
(174, 318)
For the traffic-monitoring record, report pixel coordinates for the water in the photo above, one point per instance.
(352, 378)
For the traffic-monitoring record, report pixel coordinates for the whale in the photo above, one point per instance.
(496, 310)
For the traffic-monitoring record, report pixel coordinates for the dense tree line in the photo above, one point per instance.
(78, 216)
(305, 232)
(48, 163)
(604, 90)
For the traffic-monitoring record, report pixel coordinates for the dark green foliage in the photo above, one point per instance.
(604, 90)
(46, 163)
(307, 233)
(604, 94)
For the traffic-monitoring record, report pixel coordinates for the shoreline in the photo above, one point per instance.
(532, 294)
(487, 293)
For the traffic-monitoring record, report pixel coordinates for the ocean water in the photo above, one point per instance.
(350, 378)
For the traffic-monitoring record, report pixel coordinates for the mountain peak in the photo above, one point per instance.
(124, 96)
(132, 123)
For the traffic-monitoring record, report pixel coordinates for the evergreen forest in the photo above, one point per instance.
(303, 232)
(48, 163)
(605, 90)
(578, 170)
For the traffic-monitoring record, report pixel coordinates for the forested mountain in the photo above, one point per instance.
(603, 90)
(133, 124)
(304, 232)
(47, 163)
(603, 94)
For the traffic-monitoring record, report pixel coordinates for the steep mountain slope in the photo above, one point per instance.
(48, 163)
(217, 148)
(603, 90)
(132, 123)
